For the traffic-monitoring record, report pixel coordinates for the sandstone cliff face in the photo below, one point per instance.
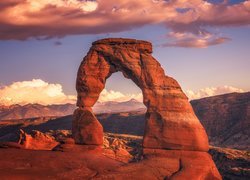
(170, 120)
(226, 119)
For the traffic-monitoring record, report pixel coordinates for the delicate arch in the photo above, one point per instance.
(170, 120)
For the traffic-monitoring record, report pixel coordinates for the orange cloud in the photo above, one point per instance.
(118, 96)
(211, 91)
(34, 91)
(195, 41)
(23, 19)
(41, 92)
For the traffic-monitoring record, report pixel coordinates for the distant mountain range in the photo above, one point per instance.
(34, 110)
(37, 110)
(115, 107)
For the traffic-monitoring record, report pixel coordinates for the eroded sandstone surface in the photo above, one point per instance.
(170, 120)
(119, 158)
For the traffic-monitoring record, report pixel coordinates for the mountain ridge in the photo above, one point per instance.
(17, 111)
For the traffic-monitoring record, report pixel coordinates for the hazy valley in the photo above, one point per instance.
(225, 117)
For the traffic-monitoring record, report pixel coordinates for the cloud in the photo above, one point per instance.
(211, 91)
(194, 41)
(34, 91)
(41, 92)
(24, 19)
(118, 96)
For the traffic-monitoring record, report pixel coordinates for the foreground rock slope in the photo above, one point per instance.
(120, 158)
(125, 150)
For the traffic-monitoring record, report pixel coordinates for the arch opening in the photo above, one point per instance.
(119, 108)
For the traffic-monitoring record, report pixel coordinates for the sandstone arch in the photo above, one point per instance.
(170, 120)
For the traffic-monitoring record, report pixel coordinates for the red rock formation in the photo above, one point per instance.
(37, 141)
(171, 122)
(192, 165)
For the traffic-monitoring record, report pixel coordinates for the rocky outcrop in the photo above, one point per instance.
(170, 120)
(232, 163)
(226, 119)
(36, 140)
(117, 149)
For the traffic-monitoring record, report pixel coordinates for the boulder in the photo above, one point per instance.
(86, 128)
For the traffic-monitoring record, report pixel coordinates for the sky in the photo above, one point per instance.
(204, 45)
